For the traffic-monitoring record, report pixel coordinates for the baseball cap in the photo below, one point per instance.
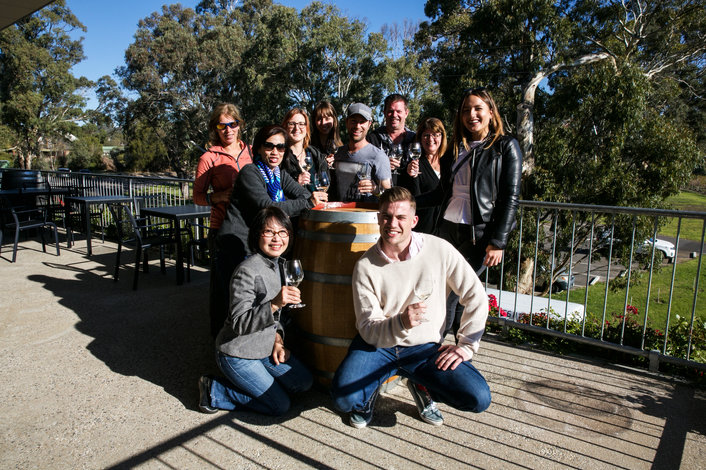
(360, 108)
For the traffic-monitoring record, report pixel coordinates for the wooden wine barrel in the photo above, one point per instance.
(329, 242)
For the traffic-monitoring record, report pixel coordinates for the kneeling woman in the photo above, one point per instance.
(259, 370)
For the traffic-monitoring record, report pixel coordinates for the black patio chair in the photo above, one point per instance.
(137, 232)
(197, 240)
(20, 218)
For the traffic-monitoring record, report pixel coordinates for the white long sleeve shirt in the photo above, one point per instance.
(382, 290)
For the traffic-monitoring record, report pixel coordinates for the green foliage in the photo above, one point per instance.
(334, 60)
(406, 73)
(498, 44)
(604, 145)
(264, 57)
(86, 150)
(145, 149)
(620, 328)
(40, 97)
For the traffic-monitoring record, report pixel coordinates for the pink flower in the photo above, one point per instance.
(492, 301)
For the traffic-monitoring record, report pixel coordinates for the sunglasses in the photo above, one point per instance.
(222, 125)
(271, 146)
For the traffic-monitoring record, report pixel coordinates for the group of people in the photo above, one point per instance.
(445, 213)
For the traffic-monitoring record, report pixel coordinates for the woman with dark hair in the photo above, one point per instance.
(215, 174)
(302, 161)
(260, 372)
(423, 175)
(262, 184)
(325, 135)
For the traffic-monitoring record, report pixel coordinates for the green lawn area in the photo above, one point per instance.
(690, 228)
(682, 299)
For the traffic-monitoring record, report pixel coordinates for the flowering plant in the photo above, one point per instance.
(493, 308)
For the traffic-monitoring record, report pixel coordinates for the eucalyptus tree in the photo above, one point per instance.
(615, 76)
(407, 74)
(178, 67)
(40, 98)
(516, 45)
(335, 59)
(262, 56)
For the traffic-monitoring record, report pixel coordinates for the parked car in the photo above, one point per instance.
(563, 282)
(603, 240)
(667, 248)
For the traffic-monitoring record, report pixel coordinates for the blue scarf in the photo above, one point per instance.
(272, 181)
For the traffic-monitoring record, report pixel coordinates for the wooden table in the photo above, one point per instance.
(177, 214)
(85, 202)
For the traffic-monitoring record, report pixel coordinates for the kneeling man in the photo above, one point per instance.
(400, 286)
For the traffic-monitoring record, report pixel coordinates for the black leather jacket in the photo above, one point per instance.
(497, 172)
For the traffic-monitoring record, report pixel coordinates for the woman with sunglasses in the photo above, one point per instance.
(302, 161)
(263, 184)
(260, 372)
(215, 174)
(325, 135)
(423, 175)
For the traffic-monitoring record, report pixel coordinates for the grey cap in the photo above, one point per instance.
(360, 108)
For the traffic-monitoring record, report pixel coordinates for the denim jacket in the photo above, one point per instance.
(250, 329)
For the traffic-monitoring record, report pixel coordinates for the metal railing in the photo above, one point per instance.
(162, 190)
(152, 191)
(611, 245)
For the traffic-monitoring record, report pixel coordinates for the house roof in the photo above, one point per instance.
(14, 10)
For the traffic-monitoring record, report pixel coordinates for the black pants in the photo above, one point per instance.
(227, 253)
(461, 236)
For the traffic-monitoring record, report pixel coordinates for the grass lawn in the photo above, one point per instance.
(682, 299)
(690, 228)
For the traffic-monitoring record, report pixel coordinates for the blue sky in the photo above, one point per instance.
(112, 24)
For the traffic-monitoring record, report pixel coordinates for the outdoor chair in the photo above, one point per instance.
(20, 218)
(76, 217)
(137, 232)
(200, 243)
(55, 204)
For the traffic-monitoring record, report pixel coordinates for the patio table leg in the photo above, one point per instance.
(179, 254)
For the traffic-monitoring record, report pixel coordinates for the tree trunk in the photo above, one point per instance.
(525, 136)
(25, 160)
(524, 283)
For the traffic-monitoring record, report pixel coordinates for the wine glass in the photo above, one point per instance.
(422, 291)
(393, 155)
(321, 180)
(364, 173)
(307, 162)
(415, 151)
(399, 152)
(330, 150)
(294, 274)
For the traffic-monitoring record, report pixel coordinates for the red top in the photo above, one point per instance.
(217, 169)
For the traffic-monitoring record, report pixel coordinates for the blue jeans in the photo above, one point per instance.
(365, 368)
(258, 384)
